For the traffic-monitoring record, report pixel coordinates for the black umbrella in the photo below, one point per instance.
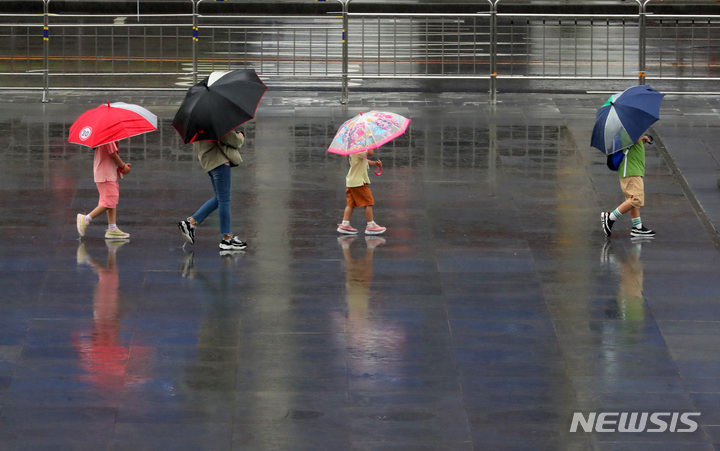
(219, 104)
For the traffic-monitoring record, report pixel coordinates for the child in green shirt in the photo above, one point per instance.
(631, 172)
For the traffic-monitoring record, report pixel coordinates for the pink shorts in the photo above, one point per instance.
(109, 194)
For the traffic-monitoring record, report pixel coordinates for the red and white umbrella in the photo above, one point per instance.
(111, 122)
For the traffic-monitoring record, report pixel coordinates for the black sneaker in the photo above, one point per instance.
(606, 222)
(187, 230)
(642, 232)
(233, 244)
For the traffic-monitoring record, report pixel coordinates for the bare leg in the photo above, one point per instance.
(112, 215)
(97, 211)
(369, 213)
(347, 214)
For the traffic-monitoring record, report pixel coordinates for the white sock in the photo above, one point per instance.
(346, 223)
(112, 227)
(371, 223)
(88, 218)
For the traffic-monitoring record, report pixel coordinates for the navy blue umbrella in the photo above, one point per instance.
(623, 119)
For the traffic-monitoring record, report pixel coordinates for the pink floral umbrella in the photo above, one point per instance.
(368, 131)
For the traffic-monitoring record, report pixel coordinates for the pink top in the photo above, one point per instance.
(104, 168)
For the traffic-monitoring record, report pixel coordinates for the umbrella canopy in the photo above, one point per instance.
(623, 119)
(219, 104)
(111, 122)
(368, 131)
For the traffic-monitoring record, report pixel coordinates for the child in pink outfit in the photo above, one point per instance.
(107, 168)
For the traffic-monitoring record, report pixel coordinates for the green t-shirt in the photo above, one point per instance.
(634, 162)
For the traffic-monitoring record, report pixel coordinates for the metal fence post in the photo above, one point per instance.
(493, 50)
(195, 38)
(345, 56)
(46, 51)
(643, 39)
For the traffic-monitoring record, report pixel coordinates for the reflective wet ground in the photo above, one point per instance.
(490, 314)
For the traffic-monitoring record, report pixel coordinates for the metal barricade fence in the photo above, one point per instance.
(684, 48)
(275, 46)
(419, 45)
(568, 46)
(21, 51)
(154, 52)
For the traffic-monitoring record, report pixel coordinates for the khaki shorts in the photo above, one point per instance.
(359, 196)
(633, 188)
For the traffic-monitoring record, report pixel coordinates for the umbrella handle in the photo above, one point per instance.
(379, 173)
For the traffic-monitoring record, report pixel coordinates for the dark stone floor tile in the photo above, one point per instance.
(491, 310)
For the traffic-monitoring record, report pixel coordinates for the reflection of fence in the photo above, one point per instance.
(170, 51)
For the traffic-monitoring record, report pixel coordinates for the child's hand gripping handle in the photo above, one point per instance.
(121, 172)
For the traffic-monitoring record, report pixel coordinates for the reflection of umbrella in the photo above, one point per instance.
(623, 119)
(368, 131)
(111, 122)
(218, 104)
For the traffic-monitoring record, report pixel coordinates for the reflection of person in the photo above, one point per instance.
(358, 274)
(372, 338)
(103, 356)
(631, 172)
(107, 168)
(218, 335)
(358, 194)
(629, 302)
(216, 158)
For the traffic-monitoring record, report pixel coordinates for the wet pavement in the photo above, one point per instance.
(491, 313)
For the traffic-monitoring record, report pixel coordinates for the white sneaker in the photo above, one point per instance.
(81, 223)
(374, 229)
(116, 234)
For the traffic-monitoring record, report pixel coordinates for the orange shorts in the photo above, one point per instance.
(359, 196)
(109, 194)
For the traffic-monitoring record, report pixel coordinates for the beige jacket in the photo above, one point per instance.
(212, 154)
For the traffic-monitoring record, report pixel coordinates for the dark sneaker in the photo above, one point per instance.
(187, 230)
(642, 232)
(606, 222)
(233, 244)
